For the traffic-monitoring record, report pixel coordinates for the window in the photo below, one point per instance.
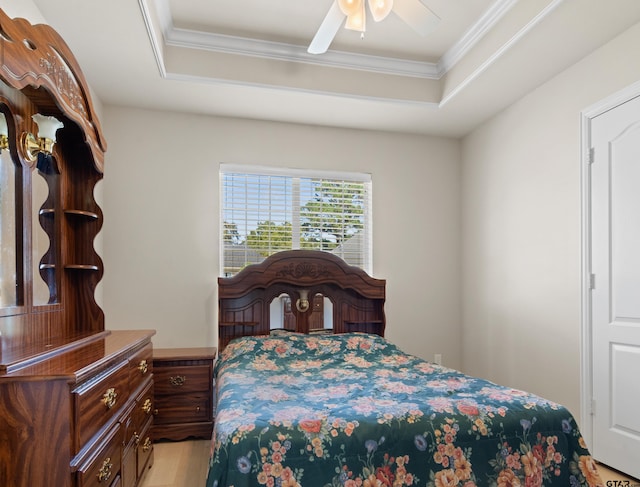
(268, 210)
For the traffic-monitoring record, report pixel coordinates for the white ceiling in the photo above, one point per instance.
(247, 58)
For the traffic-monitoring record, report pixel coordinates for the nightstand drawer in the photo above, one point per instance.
(183, 409)
(182, 380)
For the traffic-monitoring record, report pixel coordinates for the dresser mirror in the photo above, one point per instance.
(9, 193)
(25, 186)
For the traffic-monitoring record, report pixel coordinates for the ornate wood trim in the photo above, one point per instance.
(34, 57)
(301, 268)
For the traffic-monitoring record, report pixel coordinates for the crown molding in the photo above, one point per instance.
(192, 39)
(294, 53)
(164, 19)
(498, 53)
(474, 34)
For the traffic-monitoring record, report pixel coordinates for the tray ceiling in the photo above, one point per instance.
(248, 58)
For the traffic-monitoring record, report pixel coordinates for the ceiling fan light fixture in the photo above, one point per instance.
(413, 12)
(350, 7)
(356, 21)
(380, 9)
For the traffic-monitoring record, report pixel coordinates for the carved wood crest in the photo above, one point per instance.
(303, 269)
(35, 56)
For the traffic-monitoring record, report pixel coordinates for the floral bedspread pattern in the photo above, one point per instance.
(353, 410)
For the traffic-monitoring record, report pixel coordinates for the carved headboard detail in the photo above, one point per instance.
(244, 299)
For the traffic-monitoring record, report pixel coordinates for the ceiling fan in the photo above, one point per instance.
(413, 12)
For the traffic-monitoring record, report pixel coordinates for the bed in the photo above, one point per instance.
(348, 407)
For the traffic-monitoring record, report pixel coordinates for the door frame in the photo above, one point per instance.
(586, 326)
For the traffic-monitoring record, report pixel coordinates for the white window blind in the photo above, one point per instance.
(268, 210)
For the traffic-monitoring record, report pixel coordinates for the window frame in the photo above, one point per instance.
(366, 247)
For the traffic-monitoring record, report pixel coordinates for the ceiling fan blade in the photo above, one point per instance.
(415, 13)
(327, 31)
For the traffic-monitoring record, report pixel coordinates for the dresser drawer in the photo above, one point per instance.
(129, 471)
(145, 449)
(103, 468)
(172, 380)
(140, 366)
(144, 408)
(137, 439)
(138, 414)
(188, 408)
(99, 400)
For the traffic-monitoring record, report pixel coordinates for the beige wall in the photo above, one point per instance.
(22, 8)
(521, 229)
(160, 234)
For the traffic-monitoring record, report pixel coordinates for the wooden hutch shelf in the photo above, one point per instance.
(82, 213)
(82, 267)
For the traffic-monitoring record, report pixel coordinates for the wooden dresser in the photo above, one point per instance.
(76, 400)
(183, 392)
(82, 417)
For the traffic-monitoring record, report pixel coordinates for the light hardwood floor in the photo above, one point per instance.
(185, 464)
(179, 464)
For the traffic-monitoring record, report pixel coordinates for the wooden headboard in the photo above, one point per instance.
(244, 299)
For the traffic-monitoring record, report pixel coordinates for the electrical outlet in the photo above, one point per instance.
(437, 358)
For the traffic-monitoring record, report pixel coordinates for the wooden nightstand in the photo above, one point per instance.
(183, 383)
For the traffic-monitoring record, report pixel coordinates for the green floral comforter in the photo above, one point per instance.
(354, 410)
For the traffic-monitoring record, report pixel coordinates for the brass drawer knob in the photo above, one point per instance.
(146, 407)
(178, 380)
(146, 446)
(109, 398)
(143, 366)
(104, 473)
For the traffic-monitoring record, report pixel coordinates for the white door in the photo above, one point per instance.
(615, 267)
